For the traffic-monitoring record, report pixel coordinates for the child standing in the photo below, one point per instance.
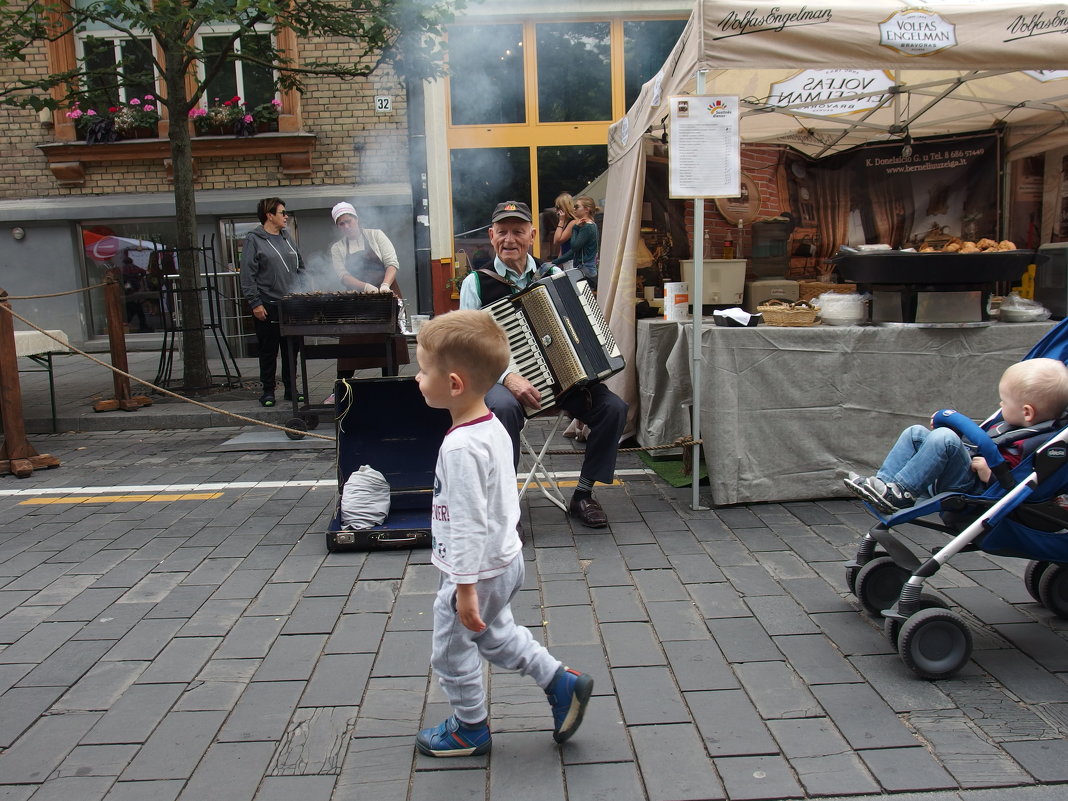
(475, 543)
(926, 462)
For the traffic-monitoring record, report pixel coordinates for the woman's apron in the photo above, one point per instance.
(365, 265)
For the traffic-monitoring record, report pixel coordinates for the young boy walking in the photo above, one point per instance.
(475, 543)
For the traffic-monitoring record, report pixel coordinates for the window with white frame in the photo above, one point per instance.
(118, 69)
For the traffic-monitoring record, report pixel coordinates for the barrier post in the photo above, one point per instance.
(117, 342)
(17, 456)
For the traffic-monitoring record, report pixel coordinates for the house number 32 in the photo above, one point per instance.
(383, 104)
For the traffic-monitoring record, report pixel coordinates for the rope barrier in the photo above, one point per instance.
(149, 384)
(54, 295)
(681, 442)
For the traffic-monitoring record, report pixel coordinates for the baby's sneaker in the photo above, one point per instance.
(452, 738)
(886, 496)
(568, 694)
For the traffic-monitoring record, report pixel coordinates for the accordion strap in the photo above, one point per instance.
(495, 276)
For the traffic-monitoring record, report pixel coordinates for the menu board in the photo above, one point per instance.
(704, 150)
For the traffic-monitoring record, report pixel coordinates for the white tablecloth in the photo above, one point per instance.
(786, 411)
(30, 343)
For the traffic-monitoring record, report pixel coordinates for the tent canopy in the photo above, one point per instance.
(909, 70)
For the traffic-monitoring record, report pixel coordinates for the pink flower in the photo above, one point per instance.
(91, 113)
(149, 107)
(135, 102)
(197, 112)
(248, 118)
(74, 114)
(276, 103)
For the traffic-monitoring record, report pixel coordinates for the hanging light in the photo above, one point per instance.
(906, 150)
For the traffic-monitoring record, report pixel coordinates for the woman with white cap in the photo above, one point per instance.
(365, 261)
(364, 258)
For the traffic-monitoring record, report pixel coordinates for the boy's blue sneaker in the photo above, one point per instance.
(451, 738)
(568, 694)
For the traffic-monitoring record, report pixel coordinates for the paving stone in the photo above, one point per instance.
(659, 585)
(618, 781)
(338, 680)
(674, 764)
(115, 621)
(822, 760)
(565, 592)
(38, 644)
(185, 559)
(355, 634)
(570, 625)
(631, 644)
(862, 716)
(699, 665)
(776, 690)
(743, 640)
(10, 674)
(136, 713)
(557, 562)
(82, 788)
(60, 591)
(180, 660)
(677, 620)
(1048, 649)
(985, 605)
(250, 638)
(410, 612)
(780, 614)
(229, 772)
(524, 770)
(728, 552)
(1020, 674)
(95, 760)
(758, 777)
(816, 659)
(718, 600)
(964, 752)
(853, 634)
(403, 653)
(649, 695)
(377, 768)
(696, 568)
(617, 604)
(20, 707)
(902, 769)
(1046, 760)
(262, 712)
(243, 583)
(372, 596)
(67, 664)
(291, 658)
(144, 791)
(898, 686)
(210, 694)
(276, 599)
(462, 783)
(392, 707)
(175, 747)
(729, 724)
(315, 741)
(44, 746)
(182, 601)
(145, 640)
(603, 736)
(608, 571)
(752, 580)
(305, 788)
(101, 686)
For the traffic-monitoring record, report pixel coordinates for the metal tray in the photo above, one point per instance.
(897, 267)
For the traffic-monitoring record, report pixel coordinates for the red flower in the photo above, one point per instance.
(235, 99)
(227, 103)
(113, 110)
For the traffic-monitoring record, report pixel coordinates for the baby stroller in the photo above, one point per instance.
(1023, 514)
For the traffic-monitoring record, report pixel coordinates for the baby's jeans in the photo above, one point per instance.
(926, 462)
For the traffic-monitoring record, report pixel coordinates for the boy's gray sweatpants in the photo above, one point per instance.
(458, 651)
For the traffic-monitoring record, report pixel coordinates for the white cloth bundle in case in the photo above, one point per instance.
(364, 499)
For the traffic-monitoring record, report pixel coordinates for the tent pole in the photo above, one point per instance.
(697, 294)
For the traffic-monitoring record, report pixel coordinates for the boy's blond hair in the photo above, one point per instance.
(1042, 383)
(468, 342)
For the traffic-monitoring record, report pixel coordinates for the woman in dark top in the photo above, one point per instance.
(582, 233)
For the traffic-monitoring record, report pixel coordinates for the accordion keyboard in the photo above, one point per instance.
(596, 318)
(527, 357)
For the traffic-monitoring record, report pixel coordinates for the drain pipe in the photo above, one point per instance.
(413, 89)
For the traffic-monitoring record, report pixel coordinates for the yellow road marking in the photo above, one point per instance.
(568, 483)
(158, 498)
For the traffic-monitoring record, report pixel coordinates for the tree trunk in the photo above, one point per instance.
(195, 371)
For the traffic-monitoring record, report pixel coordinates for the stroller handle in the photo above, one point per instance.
(970, 430)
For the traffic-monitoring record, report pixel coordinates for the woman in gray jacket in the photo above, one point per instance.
(270, 266)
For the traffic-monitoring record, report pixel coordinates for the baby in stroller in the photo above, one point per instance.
(925, 462)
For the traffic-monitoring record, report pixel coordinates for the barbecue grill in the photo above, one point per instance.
(368, 320)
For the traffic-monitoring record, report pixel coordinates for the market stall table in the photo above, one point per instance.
(39, 348)
(786, 411)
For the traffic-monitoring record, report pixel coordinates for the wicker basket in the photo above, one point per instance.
(807, 290)
(779, 312)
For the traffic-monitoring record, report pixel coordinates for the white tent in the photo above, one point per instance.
(950, 67)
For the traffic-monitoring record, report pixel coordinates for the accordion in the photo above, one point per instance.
(558, 336)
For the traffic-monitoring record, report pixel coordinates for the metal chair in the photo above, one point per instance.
(538, 474)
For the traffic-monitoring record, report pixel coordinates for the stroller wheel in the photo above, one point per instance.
(892, 626)
(852, 568)
(1053, 590)
(879, 584)
(1032, 577)
(935, 643)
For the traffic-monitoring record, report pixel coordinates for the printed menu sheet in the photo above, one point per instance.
(704, 152)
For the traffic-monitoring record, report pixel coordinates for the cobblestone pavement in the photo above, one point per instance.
(172, 627)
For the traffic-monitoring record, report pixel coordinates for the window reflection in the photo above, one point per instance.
(486, 74)
(482, 178)
(574, 72)
(646, 46)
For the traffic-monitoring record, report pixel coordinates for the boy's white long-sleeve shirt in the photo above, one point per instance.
(476, 502)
